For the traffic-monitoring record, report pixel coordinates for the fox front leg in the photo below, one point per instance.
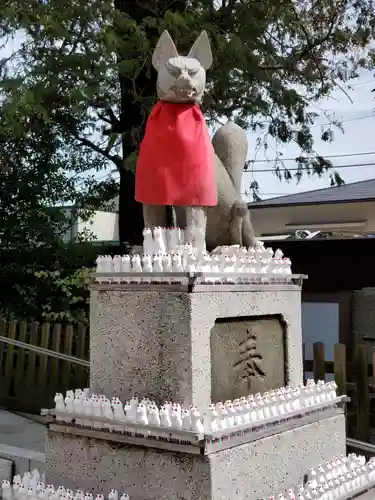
(155, 216)
(196, 222)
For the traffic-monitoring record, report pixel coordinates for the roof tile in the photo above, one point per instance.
(356, 191)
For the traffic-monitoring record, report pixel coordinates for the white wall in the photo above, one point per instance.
(350, 217)
(320, 323)
(103, 226)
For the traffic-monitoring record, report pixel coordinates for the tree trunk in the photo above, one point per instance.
(130, 220)
(132, 116)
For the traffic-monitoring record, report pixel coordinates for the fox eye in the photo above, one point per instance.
(193, 72)
(172, 70)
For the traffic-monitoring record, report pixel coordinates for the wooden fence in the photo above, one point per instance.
(29, 379)
(354, 373)
(31, 374)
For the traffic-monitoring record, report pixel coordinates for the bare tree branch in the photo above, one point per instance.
(116, 159)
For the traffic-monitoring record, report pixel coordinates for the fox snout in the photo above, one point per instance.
(183, 87)
(184, 82)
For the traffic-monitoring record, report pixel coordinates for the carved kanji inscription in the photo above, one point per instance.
(247, 356)
(250, 363)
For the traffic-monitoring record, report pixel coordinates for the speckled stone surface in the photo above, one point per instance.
(158, 343)
(252, 471)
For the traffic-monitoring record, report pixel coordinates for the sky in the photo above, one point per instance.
(358, 118)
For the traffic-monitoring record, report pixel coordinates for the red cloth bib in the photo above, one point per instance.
(176, 160)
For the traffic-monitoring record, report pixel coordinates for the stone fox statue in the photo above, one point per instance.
(178, 165)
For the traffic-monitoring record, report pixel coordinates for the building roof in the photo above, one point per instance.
(354, 192)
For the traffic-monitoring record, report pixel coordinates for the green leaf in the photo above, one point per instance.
(130, 162)
(112, 141)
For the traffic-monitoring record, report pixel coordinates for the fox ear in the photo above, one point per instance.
(164, 50)
(201, 50)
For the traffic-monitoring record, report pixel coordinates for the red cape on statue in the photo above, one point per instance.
(176, 160)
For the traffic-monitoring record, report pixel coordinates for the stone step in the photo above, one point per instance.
(22, 442)
(6, 469)
(20, 460)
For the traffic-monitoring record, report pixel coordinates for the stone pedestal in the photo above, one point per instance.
(195, 347)
(252, 471)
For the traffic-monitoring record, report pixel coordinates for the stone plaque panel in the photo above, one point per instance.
(247, 356)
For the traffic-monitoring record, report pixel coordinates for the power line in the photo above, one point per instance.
(351, 119)
(273, 194)
(344, 155)
(324, 124)
(294, 169)
(265, 194)
(323, 156)
(109, 174)
(359, 84)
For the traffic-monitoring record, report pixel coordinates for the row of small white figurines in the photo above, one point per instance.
(172, 240)
(331, 481)
(221, 416)
(340, 478)
(31, 486)
(167, 240)
(188, 262)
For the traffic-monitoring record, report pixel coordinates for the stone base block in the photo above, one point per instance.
(252, 471)
(195, 348)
